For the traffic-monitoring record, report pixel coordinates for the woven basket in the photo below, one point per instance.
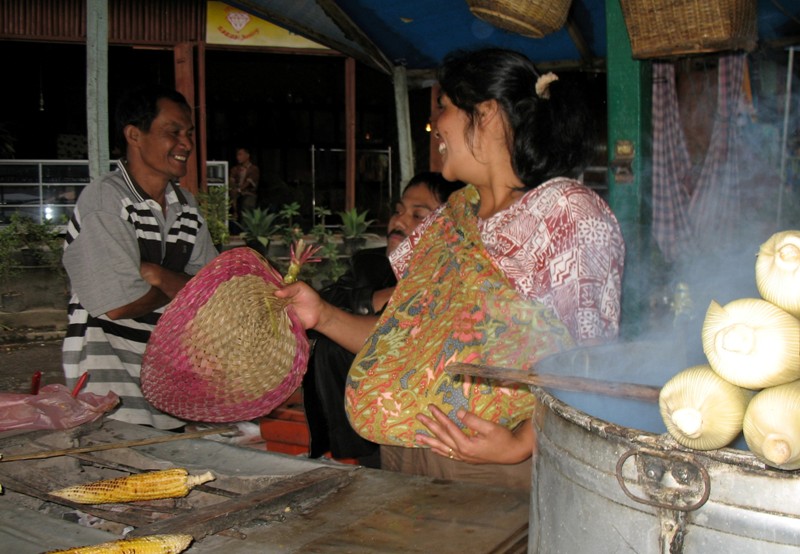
(664, 29)
(531, 18)
(225, 348)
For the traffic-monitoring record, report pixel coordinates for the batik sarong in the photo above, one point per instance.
(454, 304)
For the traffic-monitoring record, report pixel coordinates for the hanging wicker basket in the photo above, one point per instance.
(531, 18)
(225, 348)
(665, 29)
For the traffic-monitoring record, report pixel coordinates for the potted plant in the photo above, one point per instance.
(35, 244)
(291, 231)
(214, 206)
(26, 245)
(354, 225)
(258, 226)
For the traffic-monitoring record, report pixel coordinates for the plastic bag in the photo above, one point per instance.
(53, 408)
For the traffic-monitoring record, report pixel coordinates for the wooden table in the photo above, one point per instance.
(260, 502)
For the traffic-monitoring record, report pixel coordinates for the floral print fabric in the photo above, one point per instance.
(453, 304)
(560, 245)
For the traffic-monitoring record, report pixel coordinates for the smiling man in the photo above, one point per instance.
(134, 240)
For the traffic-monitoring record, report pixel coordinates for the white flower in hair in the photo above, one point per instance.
(543, 84)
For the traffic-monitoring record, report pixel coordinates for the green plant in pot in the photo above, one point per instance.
(291, 231)
(214, 205)
(258, 227)
(354, 225)
(26, 243)
(33, 244)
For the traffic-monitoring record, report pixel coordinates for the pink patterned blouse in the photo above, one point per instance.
(560, 245)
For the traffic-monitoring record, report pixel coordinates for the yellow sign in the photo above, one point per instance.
(229, 25)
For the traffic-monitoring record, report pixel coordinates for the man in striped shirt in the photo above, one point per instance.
(134, 240)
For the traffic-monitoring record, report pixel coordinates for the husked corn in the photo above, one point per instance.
(168, 483)
(154, 544)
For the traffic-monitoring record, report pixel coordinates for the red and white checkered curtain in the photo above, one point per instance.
(684, 222)
(672, 168)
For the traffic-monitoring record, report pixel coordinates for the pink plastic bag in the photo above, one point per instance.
(53, 408)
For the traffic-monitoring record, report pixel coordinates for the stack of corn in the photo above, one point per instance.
(751, 383)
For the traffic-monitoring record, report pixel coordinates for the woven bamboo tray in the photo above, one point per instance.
(225, 348)
(665, 29)
(530, 18)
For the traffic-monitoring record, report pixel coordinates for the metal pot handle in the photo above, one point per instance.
(692, 484)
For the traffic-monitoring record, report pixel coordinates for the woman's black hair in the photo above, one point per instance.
(548, 137)
(139, 107)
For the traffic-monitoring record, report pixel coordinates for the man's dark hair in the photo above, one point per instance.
(139, 107)
(438, 185)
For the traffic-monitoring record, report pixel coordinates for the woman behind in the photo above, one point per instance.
(523, 263)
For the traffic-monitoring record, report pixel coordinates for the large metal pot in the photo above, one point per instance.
(607, 477)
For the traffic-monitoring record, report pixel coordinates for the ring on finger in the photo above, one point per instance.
(451, 454)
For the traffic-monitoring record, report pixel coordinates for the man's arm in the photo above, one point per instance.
(164, 285)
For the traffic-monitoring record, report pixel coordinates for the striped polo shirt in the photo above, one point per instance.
(115, 226)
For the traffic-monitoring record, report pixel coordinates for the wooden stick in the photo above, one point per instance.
(114, 445)
(560, 382)
(275, 498)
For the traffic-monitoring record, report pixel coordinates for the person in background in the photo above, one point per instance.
(134, 240)
(523, 262)
(364, 289)
(243, 180)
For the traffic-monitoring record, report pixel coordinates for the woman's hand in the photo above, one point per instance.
(485, 443)
(348, 330)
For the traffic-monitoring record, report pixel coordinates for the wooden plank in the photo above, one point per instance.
(515, 543)
(114, 445)
(559, 382)
(108, 464)
(239, 511)
(135, 516)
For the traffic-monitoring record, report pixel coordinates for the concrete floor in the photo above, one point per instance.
(19, 361)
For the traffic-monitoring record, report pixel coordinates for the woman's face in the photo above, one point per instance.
(451, 127)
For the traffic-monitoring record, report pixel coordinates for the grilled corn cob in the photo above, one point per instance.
(169, 483)
(154, 544)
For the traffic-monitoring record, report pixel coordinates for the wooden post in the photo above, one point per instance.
(97, 86)
(350, 133)
(629, 159)
(184, 83)
(405, 149)
(435, 157)
(200, 136)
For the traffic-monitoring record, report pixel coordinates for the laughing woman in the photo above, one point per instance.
(522, 263)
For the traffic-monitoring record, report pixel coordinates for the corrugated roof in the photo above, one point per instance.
(418, 33)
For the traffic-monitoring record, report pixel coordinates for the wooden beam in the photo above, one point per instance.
(184, 83)
(629, 85)
(200, 136)
(404, 144)
(365, 50)
(350, 133)
(435, 157)
(97, 87)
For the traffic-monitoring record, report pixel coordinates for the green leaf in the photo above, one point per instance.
(354, 224)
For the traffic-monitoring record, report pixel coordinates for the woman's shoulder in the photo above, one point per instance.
(565, 186)
(563, 191)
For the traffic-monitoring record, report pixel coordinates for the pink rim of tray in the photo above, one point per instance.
(174, 385)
